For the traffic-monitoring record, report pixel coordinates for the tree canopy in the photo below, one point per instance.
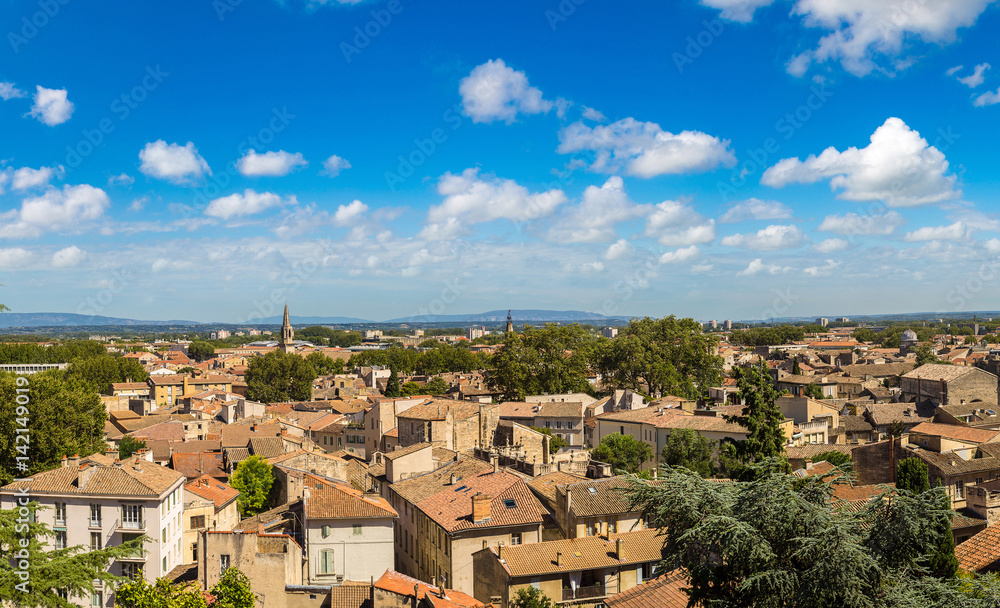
(529, 597)
(200, 351)
(685, 448)
(129, 445)
(102, 371)
(761, 416)
(624, 453)
(551, 359)
(253, 478)
(278, 377)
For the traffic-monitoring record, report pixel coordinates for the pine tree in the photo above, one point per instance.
(392, 385)
(761, 416)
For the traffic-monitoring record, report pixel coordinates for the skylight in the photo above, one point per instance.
(510, 503)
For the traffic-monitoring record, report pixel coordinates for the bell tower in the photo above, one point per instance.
(287, 334)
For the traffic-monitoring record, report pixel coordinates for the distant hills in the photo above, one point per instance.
(304, 321)
(519, 316)
(68, 319)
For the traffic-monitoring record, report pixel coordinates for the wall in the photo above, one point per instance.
(356, 558)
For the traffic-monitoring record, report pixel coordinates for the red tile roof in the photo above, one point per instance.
(664, 591)
(210, 489)
(335, 500)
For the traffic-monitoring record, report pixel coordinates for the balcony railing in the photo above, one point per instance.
(133, 525)
(584, 593)
(95, 523)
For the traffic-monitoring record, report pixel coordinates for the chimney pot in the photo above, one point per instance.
(618, 549)
(559, 561)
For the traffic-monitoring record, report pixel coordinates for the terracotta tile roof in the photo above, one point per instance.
(238, 435)
(393, 432)
(960, 520)
(878, 370)
(952, 464)
(267, 447)
(118, 386)
(511, 502)
(808, 451)
(195, 465)
(196, 446)
(271, 518)
(939, 371)
(351, 594)
(979, 552)
(518, 409)
(595, 497)
(953, 431)
(399, 452)
(133, 477)
(673, 418)
(854, 424)
(211, 489)
(887, 413)
(559, 409)
(437, 409)
(585, 553)
(335, 500)
(401, 584)
(165, 379)
(168, 431)
(417, 489)
(664, 591)
(545, 485)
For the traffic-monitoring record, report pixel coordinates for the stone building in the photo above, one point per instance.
(948, 385)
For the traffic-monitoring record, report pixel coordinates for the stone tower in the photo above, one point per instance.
(287, 334)
(510, 323)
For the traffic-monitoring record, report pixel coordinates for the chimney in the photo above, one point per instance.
(73, 462)
(203, 481)
(496, 463)
(83, 476)
(416, 594)
(569, 499)
(453, 480)
(559, 559)
(111, 453)
(808, 464)
(618, 549)
(500, 551)
(480, 508)
(64, 461)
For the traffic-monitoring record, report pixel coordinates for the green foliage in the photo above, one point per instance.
(624, 453)
(838, 459)
(104, 370)
(767, 336)
(73, 569)
(442, 358)
(430, 343)
(864, 334)
(813, 390)
(200, 351)
(410, 388)
(59, 353)
(761, 416)
(778, 542)
(912, 476)
(325, 365)
(279, 376)
(925, 355)
(796, 370)
(685, 448)
(660, 357)
(392, 385)
(324, 336)
(63, 416)
(137, 593)
(436, 386)
(253, 478)
(551, 359)
(529, 597)
(128, 445)
(555, 443)
(233, 591)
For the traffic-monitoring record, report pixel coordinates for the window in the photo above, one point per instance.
(979, 480)
(591, 531)
(510, 503)
(959, 489)
(95, 599)
(515, 538)
(197, 521)
(612, 526)
(163, 535)
(326, 531)
(324, 439)
(61, 539)
(558, 424)
(326, 561)
(548, 424)
(223, 563)
(60, 514)
(95, 541)
(131, 569)
(132, 517)
(357, 530)
(622, 430)
(95, 515)
(164, 563)
(194, 552)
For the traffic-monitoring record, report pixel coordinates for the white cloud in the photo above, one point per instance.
(959, 231)
(348, 214)
(70, 256)
(680, 255)
(862, 31)
(493, 91)
(755, 209)
(470, 199)
(449, 229)
(767, 239)
(269, 164)
(248, 203)
(831, 246)
(737, 10)
(8, 91)
(976, 78)
(26, 178)
(138, 203)
(592, 114)
(334, 165)
(675, 224)
(699, 268)
(644, 149)
(821, 271)
(618, 250)
(988, 98)
(588, 267)
(122, 179)
(898, 166)
(15, 258)
(954, 70)
(594, 219)
(51, 106)
(757, 266)
(173, 162)
(851, 224)
(66, 207)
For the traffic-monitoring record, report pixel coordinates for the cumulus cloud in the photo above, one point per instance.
(334, 165)
(594, 219)
(471, 199)
(8, 91)
(976, 78)
(348, 214)
(51, 106)
(958, 231)
(70, 256)
(618, 250)
(493, 91)
(269, 164)
(680, 255)
(248, 203)
(755, 209)
(26, 178)
(898, 166)
(831, 246)
(988, 98)
(737, 10)
(15, 258)
(865, 34)
(822, 271)
(644, 149)
(851, 224)
(757, 266)
(767, 239)
(173, 162)
(54, 210)
(122, 179)
(676, 224)
(592, 114)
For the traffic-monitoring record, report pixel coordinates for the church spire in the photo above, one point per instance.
(510, 323)
(287, 334)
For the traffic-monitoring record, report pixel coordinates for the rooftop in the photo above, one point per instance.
(585, 553)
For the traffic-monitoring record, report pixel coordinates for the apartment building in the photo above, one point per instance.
(209, 504)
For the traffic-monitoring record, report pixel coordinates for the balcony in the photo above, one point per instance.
(133, 525)
(582, 593)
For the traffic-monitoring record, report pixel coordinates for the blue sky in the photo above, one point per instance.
(713, 159)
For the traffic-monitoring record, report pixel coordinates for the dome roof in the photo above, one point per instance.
(908, 336)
